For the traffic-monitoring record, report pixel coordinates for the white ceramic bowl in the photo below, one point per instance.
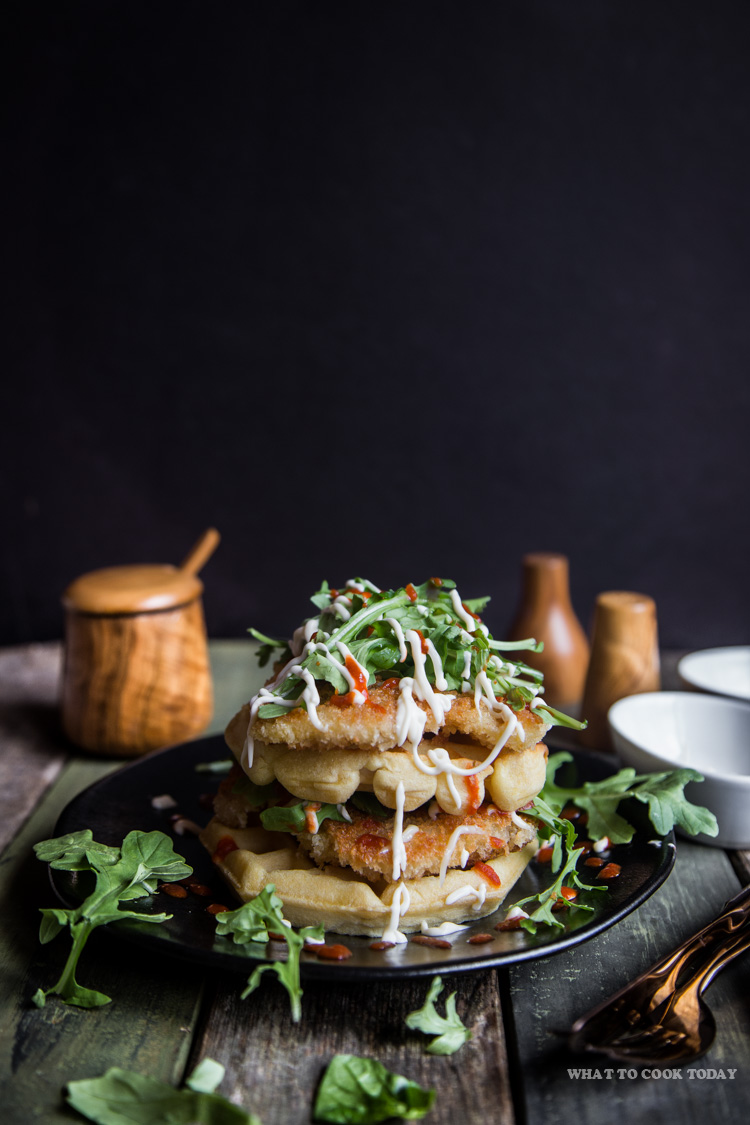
(668, 729)
(721, 671)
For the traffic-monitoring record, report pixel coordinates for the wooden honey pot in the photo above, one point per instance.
(136, 674)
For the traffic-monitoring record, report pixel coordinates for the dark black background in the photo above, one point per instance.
(393, 289)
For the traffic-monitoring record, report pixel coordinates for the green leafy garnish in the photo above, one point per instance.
(667, 806)
(662, 792)
(361, 618)
(252, 922)
(451, 1033)
(222, 765)
(122, 875)
(293, 818)
(124, 1097)
(368, 803)
(358, 1091)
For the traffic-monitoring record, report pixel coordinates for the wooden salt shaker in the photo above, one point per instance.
(546, 613)
(137, 674)
(624, 659)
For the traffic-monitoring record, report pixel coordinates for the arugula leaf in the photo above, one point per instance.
(662, 792)
(564, 861)
(360, 1091)
(362, 620)
(252, 922)
(293, 818)
(451, 1033)
(122, 874)
(124, 1097)
(257, 796)
(368, 803)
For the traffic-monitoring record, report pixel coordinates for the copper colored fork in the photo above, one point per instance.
(660, 1016)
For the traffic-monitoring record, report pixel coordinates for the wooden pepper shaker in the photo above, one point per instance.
(546, 613)
(624, 659)
(137, 674)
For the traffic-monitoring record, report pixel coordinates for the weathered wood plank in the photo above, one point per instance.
(148, 1026)
(550, 994)
(32, 747)
(273, 1066)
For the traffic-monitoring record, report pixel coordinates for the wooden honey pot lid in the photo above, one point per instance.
(145, 588)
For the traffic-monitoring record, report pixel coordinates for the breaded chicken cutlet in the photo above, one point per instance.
(393, 753)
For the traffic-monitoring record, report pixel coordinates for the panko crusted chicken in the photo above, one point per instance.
(384, 769)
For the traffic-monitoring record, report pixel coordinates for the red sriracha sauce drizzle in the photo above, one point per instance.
(359, 677)
(487, 873)
(225, 845)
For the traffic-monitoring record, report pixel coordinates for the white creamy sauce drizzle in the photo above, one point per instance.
(466, 673)
(515, 912)
(464, 858)
(398, 633)
(456, 834)
(441, 759)
(468, 891)
(311, 627)
(341, 606)
(397, 846)
(399, 906)
(517, 821)
(343, 811)
(442, 930)
(461, 613)
(410, 833)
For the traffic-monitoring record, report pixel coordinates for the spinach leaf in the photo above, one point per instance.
(360, 1091)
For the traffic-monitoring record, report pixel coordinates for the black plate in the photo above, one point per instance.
(122, 801)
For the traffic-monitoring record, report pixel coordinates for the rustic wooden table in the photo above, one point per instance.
(166, 1016)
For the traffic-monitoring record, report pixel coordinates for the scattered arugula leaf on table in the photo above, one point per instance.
(360, 1091)
(449, 1030)
(252, 922)
(124, 1097)
(122, 874)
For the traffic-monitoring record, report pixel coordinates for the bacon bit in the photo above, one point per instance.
(509, 924)
(584, 846)
(217, 908)
(488, 873)
(311, 820)
(200, 889)
(568, 892)
(332, 952)
(594, 861)
(433, 942)
(410, 592)
(225, 845)
(310, 947)
(611, 871)
(497, 842)
(544, 855)
(480, 939)
(173, 889)
(472, 789)
(378, 945)
(273, 936)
